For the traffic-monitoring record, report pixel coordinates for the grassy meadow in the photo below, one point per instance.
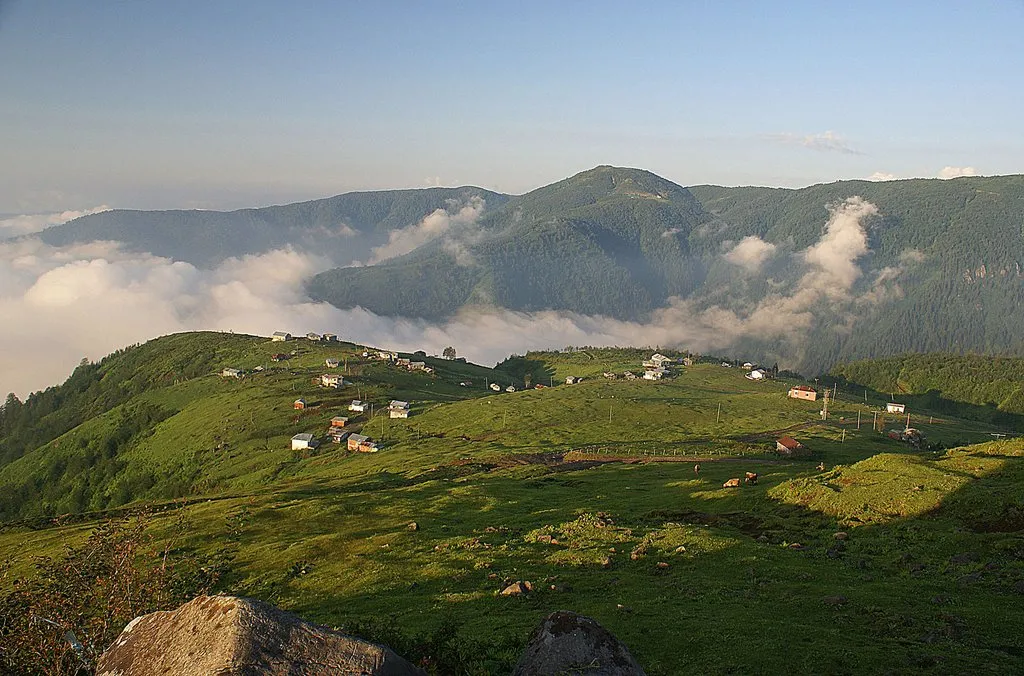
(889, 560)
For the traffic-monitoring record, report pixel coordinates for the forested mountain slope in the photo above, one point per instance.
(344, 228)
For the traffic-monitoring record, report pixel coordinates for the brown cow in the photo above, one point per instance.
(750, 478)
(731, 483)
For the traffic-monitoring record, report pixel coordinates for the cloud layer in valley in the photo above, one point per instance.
(457, 220)
(60, 304)
(25, 224)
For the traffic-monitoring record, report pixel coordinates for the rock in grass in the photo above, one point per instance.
(841, 535)
(567, 643)
(413, 526)
(233, 635)
(518, 588)
(835, 601)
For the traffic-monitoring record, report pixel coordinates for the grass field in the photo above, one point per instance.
(927, 578)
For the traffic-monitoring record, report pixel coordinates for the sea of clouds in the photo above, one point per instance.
(59, 305)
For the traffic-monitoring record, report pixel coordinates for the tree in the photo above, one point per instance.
(449, 352)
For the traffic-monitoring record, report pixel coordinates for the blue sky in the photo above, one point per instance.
(228, 104)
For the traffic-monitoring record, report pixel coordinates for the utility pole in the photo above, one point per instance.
(719, 418)
(874, 420)
(858, 419)
(908, 421)
(609, 412)
(843, 441)
(824, 409)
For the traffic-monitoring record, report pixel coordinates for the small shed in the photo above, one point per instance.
(299, 404)
(280, 337)
(303, 441)
(357, 406)
(893, 407)
(231, 373)
(332, 363)
(790, 447)
(803, 392)
(496, 387)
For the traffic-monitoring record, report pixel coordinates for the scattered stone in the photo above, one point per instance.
(681, 549)
(835, 601)
(492, 576)
(233, 635)
(797, 546)
(964, 558)
(841, 535)
(762, 538)
(732, 483)
(567, 643)
(970, 578)
(554, 541)
(413, 526)
(517, 588)
(611, 549)
(544, 538)
(606, 562)
(625, 609)
(662, 565)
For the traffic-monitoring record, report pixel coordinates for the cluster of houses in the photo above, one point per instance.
(402, 362)
(654, 368)
(284, 337)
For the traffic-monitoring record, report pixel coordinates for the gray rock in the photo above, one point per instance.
(232, 635)
(573, 645)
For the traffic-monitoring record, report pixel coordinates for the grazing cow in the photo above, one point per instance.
(696, 469)
(821, 467)
(750, 478)
(731, 483)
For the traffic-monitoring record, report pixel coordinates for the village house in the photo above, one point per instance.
(748, 365)
(510, 388)
(339, 421)
(790, 447)
(803, 392)
(387, 356)
(398, 409)
(279, 357)
(368, 447)
(417, 366)
(338, 435)
(304, 441)
(280, 337)
(313, 336)
(687, 361)
(572, 380)
(609, 375)
(299, 404)
(331, 380)
(354, 440)
(329, 337)
(893, 407)
(231, 373)
(332, 363)
(357, 406)
(756, 374)
(629, 375)
(655, 374)
(495, 386)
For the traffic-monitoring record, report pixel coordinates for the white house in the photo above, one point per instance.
(893, 407)
(331, 380)
(654, 374)
(357, 406)
(232, 373)
(756, 374)
(313, 336)
(304, 441)
(496, 387)
(332, 363)
(398, 409)
(280, 336)
(510, 388)
(329, 337)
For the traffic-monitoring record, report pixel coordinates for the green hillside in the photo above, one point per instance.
(994, 385)
(345, 228)
(588, 490)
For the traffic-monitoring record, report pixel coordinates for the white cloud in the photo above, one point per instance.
(956, 172)
(457, 220)
(750, 253)
(26, 224)
(59, 304)
(827, 141)
(882, 176)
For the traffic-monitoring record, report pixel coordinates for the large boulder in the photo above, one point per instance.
(569, 645)
(232, 635)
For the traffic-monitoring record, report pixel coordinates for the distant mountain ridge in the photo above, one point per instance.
(344, 228)
(942, 267)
